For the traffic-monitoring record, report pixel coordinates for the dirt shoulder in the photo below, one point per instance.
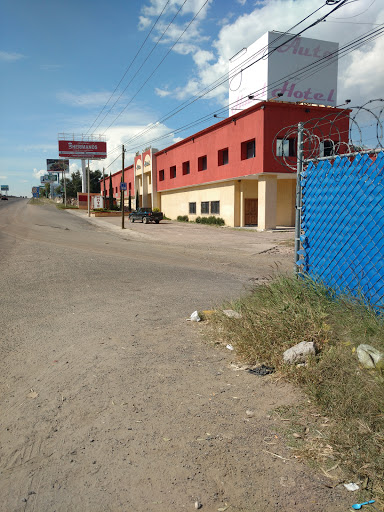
(111, 400)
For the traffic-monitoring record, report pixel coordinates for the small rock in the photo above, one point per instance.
(229, 347)
(198, 505)
(195, 317)
(351, 486)
(249, 413)
(370, 357)
(299, 353)
(230, 313)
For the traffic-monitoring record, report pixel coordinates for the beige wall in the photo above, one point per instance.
(286, 195)
(232, 195)
(174, 203)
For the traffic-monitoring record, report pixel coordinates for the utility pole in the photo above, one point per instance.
(104, 191)
(122, 190)
(88, 190)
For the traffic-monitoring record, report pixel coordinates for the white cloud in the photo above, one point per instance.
(37, 173)
(242, 2)
(91, 99)
(144, 22)
(154, 7)
(10, 56)
(162, 92)
(3, 177)
(360, 72)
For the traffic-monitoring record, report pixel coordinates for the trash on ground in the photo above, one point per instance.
(370, 357)
(358, 506)
(195, 317)
(230, 313)
(249, 413)
(198, 505)
(229, 347)
(299, 353)
(351, 487)
(32, 394)
(262, 370)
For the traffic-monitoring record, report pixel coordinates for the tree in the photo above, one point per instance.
(94, 181)
(74, 183)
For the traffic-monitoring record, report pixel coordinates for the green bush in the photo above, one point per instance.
(182, 218)
(212, 220)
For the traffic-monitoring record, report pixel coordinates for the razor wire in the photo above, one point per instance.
(339, 228)
(324, 134)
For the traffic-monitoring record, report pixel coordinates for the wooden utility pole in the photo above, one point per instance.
(122, 190)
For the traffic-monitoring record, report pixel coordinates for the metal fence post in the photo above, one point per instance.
(298, 193)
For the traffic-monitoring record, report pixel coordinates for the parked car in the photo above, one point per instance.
(4, 198)
(146, 215)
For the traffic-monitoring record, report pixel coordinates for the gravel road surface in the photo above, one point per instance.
(110, 399)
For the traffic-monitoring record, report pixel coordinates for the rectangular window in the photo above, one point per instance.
(327, 148)
(161, 175)
(285, 147)
(248, 149)
(186, 168)
(202, 163)
(205, 207)
(130, 186)
(172, 172)
(192, 208)
(215, 207)
(223, 156)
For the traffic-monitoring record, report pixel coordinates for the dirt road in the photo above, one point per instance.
(110, 399)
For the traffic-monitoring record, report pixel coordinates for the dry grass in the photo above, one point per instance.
(287, 311)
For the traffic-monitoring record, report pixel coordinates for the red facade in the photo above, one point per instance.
(116, 180)
(241, 145)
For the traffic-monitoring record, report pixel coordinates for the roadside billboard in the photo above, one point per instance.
(57, 165)
(5, 187)
(300, 69)
(92, 150)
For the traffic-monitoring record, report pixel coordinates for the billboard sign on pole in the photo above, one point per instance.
(92, 150)
(57, 165)
(5, 187)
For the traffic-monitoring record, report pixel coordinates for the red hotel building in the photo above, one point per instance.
(234, 168)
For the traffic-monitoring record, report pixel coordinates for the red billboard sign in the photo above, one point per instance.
(82, 149)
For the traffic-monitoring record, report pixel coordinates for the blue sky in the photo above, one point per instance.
(61, 61)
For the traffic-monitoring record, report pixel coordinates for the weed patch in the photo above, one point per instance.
(285, 312)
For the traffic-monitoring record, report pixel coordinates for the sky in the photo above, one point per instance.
(62, 64)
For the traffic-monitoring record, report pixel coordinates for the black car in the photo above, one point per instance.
(4, 198)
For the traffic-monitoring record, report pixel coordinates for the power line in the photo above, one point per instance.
(157, 67)
(145, 60)
(343, 51)
(221, 80)
(130, 65)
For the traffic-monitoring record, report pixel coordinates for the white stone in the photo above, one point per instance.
(299, 353)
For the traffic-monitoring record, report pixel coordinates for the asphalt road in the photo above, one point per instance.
(110, 399)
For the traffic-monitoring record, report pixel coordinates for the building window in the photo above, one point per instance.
(172, 172)
(186, 168)
(202, 163)
(223, 156)
(192, 208)
(248, 149)
(327, 148)
(161, 175)
(285, 147)
(205, 207)
(130, 186)
(215, 207)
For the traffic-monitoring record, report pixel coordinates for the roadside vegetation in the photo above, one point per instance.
(350, 398)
